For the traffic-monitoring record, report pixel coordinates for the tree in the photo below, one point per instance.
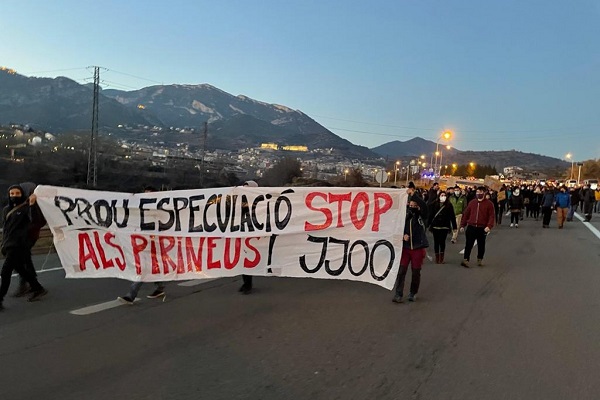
(282, 173)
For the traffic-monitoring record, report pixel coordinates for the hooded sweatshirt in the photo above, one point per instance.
(15, 221)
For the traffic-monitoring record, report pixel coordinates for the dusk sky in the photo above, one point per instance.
(509, 74)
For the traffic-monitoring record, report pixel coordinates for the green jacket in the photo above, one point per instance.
(458, 203)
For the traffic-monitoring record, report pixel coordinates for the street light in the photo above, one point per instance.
(569, 156)
(396, 171)
(346, 174)
(447, 135)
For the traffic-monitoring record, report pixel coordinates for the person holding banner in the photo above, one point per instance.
(16, 220)
(135, 287)
(413, 247)
(246, 287)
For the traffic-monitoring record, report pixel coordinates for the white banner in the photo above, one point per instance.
(330, 233)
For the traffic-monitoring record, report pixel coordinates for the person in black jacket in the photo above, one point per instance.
(441, 220)
(413, 248)
(515, 205)
(16, 219)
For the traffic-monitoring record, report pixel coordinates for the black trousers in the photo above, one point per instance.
(247, 279)
(514, 217)
(414, 283)
(16, 260)
(546, 215)
(473, 234)
(439, 240)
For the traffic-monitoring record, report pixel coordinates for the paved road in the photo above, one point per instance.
(525, 326)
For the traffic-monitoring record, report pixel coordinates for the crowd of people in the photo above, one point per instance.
(472, 210)
(475, 211)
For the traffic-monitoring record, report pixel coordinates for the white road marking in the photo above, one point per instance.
(99, 307)
(196, 282)
(591, 227)
(42, 271)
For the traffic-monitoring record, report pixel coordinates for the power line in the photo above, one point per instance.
(134, 76)
(55, 70)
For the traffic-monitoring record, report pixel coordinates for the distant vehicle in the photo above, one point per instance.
(571, 183)
(593, 183)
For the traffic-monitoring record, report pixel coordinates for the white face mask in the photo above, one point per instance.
(442, 199)
(516, 192)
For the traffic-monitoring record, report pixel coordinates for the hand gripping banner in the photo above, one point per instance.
(328, 233)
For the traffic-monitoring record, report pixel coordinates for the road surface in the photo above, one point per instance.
(525, 326)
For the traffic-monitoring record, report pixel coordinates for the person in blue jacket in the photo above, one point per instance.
(563, 202)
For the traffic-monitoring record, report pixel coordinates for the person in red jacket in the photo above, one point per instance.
(478, 219)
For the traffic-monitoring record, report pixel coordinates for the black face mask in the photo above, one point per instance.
(413, 210)
(16, 200)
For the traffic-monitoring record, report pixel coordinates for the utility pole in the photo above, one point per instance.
(202, 170)
(92, 172)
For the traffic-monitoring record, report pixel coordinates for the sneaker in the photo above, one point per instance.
(247, 290)
(516, 225)
(38, 294)
(480, 262)
(453, 241)
(511, 225)
(242, 288)
(156, 294)
(397, 299)
(465, 263)
(125, 300)
(412, 297)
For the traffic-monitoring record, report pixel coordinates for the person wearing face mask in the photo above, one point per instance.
(588, 198)
(515, 204)
(459, 203)
(441, 220)
(413, 248)
(479, 220)
(562, 200)
(16, 220)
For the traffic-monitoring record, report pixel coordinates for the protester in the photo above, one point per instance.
(246, 287)
(440, 222)
(536, 202)
(159, 291)
(562, 201)
(547, 205)
(413, 248)
(478, 219)
(588, 198)
(502, 200)
(459, 203)
(597, 203)
(16, 220)
(574, 202)
(515, 204)
(37, 222)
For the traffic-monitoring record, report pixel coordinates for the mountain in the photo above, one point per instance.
(499, 159)
(62, 104)
(58, 104)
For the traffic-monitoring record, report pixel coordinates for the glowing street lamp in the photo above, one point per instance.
(447, 135)
(396, 171)
(346, 174)
(569, 156)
